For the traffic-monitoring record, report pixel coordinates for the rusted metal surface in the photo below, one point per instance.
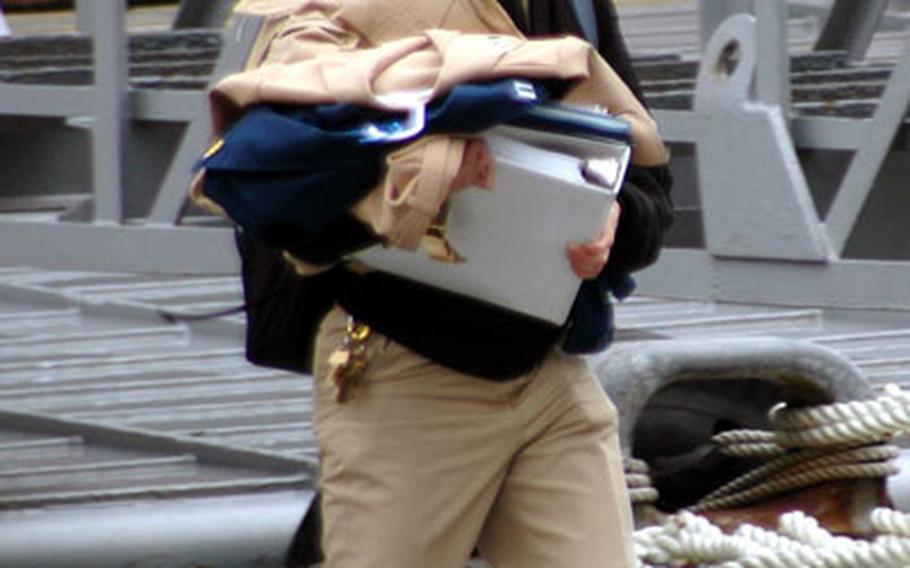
(841, 507)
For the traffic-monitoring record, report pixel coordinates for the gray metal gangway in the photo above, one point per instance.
(826, 125)
(101, 132)
(791, 156)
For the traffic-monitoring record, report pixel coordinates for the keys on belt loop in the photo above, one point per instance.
(348, 362)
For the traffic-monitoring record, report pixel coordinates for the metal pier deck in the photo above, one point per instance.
(105, 408)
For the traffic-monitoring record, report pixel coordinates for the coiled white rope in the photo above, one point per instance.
(806, 530)
(808, 445)
(749, 444)
(753, 451)
(811, 445)
(689, 540)
(635, 465)
(686, 537)
(890, 522)
(734, 437)
(638, 481)
(761, 472)
(638, 496)
(843, 423)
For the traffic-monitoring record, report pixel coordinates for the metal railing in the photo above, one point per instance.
(768, 234)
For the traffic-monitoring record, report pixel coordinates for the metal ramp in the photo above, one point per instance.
(108, 409)
(100, 352)
(115, 422)
(88, 495)
(120, 426)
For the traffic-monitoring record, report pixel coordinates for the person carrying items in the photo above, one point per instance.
(444, 424)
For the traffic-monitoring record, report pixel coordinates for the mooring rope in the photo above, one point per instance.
(843, 423)
(638, 481)
(890, 522)
(686, 539)
(811, 445)
(794, 471)
(807, 446)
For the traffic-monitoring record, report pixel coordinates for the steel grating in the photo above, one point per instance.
(173, 59)
(107, 410)
(74, 422)
(823, 83)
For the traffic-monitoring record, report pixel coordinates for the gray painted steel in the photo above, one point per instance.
(84, 246)
(125, 440)
(109, 97)
(134, 192)
(203, 14)
(783, 131)
(851, 26)
(867, 162)
(712, 13)
(175, 413)
(171, 201)
(632, 373)
(772, 72)
(777, 193)
(243, 531)
(758, 178)
(858, 284)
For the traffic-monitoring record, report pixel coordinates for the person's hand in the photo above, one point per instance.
(476, 167)
(589, 258)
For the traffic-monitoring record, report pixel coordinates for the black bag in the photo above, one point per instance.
(283, 309)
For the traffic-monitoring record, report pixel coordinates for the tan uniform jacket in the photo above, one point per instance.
(318, 51)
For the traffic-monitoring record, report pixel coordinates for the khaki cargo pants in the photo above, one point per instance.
(422, 464)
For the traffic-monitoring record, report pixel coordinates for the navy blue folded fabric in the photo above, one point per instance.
(285, 173)
(288, 175)
(575, 121)
(473, 107)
